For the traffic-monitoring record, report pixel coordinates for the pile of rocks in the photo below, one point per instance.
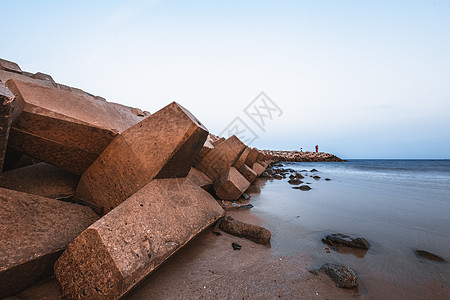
(297, 156)
(100, 194)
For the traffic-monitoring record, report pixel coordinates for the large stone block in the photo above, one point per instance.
(65, 129)
(252, 157)
(231, 185)
(248, 173)
(9, 66)
(221, 158)
(242, 158)
(260, 157)
(258, 168)
(41, 179)
(200, 179)
(207, 147)
(163, 145)
(118, 251)
(33, 233)
(7, 104)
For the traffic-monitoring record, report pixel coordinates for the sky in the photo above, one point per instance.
(361, 79)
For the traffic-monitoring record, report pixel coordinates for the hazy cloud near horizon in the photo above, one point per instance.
(361, 79)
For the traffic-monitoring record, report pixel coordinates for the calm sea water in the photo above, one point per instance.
(398, 205)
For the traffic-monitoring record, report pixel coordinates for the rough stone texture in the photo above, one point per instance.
(231, 185)
(41, 179)
(207, 147)
(200, 179)
(251, 232)
(62, 128)
(342, 239)
(45, 77)
(221, 158)
(9, 66)
(122, 248)
(260, 157)
(342, 276)
(218, 141)
(248, 173)
(33, 232)
(242, 158)
(162, 145)
(7, 104)
(251, 157)
(258, 168)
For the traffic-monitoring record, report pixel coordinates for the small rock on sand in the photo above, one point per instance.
(342, 276)
(345, 240)
(236, 246)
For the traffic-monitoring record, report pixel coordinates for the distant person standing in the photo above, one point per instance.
(317, 148)
(301, 149)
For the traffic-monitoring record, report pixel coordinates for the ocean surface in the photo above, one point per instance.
(398, 205)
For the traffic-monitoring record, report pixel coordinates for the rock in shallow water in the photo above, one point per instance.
(342, 276)
(251, 232)
(302, 187)
(345, 240)
(430, 256)
(295, 181)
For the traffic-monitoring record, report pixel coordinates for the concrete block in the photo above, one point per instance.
(231, 185)
(41, 179)
(200, 179)
(251, 157)
(118, 251)
(248, 173)
(221, 158)
(242, 158)
(260, 157)
(9, 66)
(42, 76)
(207, 146)
(7, 103)
(258, 168)
(34, 232)
(162, 145)
(62, 128)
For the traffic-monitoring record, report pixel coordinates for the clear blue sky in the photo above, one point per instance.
(363, 79)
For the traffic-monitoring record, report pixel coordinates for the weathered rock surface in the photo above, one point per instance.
(342, 239)
(163, 145)
(251, 232)
(298, 156)
(200, 179)
(248, 173)
(65, 129)
(295, 181)
(258, 168)
(221, 158)
(33, 233)
(231, 185)
(342, 276)
(41, 179)
(429, 255)
(252, 157)
(122, 248)
(7, 103)
(242, 158)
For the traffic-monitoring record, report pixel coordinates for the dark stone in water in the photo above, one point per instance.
(302, 187)
(277, 176)
(295, 181)
(247, 206)
(342, 276)
(327, 179)
(342, 239)
(316, 177)
(314, 170)
(430, 256)
(236, 246)
(299, 176)
(216, 233)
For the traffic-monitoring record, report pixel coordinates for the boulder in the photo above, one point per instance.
(34, 232)
(231, 185)
(248, 173)
(162, 145)
(295, 181)
(429, 255)
(251, 232)
(345, 240)
(118, 251)
(207, 146)
(241, 160)
(302, 187)
(65, 129)
(258, 168)
(221, 158)
(200, 179)
(7, 103)
(41, 179)
(342, 276)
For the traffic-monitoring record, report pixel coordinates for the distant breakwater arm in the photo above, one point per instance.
(298, 156)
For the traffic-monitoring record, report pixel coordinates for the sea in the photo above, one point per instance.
(399, 206)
